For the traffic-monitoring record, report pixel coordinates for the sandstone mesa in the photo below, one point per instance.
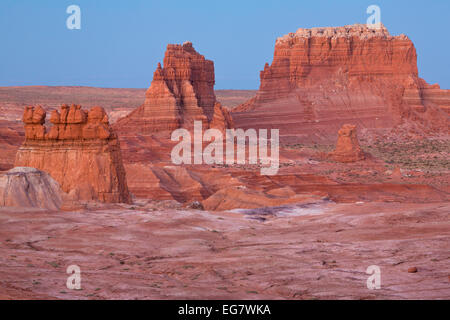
(322, 78)
(29, 187)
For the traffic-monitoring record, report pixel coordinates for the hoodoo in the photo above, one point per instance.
(80, 151)
(347, 146)
(182, 91)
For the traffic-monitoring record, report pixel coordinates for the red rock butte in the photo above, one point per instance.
(181, 92)
(80, 151)
(322, 78)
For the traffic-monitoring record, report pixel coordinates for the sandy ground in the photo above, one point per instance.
(313, 251)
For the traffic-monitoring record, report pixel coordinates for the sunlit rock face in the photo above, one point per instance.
(29, 188)
(322, 78)
(347, 146)
(80, 151)
(181, 92)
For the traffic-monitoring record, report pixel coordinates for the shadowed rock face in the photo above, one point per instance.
(80, 151)
(29, 187)
(181, 92)
(322, 78)
(347, 146)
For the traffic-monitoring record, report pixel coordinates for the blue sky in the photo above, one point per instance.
(121, 42)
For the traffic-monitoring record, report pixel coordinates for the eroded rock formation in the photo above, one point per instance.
(243, 198)
(181, 92)
(347, 146)
(80, 151)
(221, 118)
(321, 78)
(29, 187)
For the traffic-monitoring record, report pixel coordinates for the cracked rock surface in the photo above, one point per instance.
(317, 251)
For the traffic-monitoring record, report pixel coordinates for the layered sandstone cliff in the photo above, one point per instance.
(181, 92)
(321, 78)
(80, 151)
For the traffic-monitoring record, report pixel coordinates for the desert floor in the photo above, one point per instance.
(318, 250)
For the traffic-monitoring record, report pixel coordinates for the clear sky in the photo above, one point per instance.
(121, 42)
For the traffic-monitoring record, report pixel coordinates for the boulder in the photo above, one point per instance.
(322, 78)
(181, 92)
(29, 187)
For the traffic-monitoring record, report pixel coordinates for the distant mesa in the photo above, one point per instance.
(239, 197)
(181, 92)
(80, 151)
(322, 78)
(347, 146)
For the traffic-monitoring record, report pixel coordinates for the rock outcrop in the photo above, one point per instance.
(347, 146)
(321, 78)
(181, 92)
(241, 197)
(80, 151)
(221, 118)
(30, 188)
